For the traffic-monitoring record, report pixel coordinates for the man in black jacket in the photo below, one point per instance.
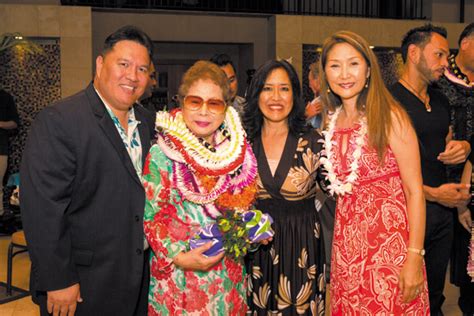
(81, 194)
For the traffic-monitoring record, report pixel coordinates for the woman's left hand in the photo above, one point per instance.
(266, 241)
(411, 279)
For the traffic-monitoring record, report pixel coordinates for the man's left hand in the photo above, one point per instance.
(313, 108)
(456, 151)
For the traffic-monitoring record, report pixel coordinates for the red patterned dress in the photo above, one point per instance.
(370, 236)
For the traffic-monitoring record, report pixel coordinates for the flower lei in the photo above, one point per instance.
(231, 199)
(224, 179)
(211, 188)
(195, 153)
(337, 186)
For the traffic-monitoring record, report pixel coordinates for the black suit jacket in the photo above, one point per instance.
(82, 205)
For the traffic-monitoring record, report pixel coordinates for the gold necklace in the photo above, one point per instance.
(426, 101)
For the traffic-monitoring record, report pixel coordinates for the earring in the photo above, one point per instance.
(367, 83)
(329, 90)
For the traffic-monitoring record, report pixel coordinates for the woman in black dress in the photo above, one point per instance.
(286, 276)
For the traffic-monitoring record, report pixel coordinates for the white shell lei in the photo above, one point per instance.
(176, 127)
(336, 186)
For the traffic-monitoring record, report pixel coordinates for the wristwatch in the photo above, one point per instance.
(420, 252)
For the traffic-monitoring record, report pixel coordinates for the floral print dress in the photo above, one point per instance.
(370, 236)
(286, 277)
(170, 222)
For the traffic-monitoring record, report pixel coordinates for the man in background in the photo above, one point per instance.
(226, 64)
(424, 51)
(314, 108)
(9, 120)
(146, 99)
(457, 84)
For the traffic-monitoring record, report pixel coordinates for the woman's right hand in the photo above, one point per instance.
(194, 260)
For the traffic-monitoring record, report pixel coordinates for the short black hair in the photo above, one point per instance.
(253, 117)
(420, 36)
(468, 31)
(222, 60)
(128, 33)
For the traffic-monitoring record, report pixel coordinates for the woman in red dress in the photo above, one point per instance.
(373, 167)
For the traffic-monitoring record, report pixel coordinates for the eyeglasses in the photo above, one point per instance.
(195, 103)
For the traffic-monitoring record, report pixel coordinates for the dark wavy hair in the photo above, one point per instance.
(253, 117)
(420, 36)
(468, 31)
(222, 60)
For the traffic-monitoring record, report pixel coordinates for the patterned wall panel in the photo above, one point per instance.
(34, 80)
(390, 61)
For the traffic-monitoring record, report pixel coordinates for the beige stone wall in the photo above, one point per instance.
(448, 10)
(194, 27)
(277, 36)
(291, 32)
(72, 25)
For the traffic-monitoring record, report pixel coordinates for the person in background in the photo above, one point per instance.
(314, 108)
(145, 100)
(457, 84)
(9, 120)
(226, 64)
(372, 165)
(326, 205)
(285, 277)
(82, 199)
(424, 51)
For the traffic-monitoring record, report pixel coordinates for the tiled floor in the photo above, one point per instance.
(24, 307)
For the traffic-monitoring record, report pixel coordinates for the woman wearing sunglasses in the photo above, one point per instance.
(286, 276)
(200, 166)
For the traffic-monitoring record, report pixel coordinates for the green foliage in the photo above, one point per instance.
(234, 235)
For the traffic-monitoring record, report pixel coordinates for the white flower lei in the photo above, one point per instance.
(226, 153)
(176, 127)
(336, 186)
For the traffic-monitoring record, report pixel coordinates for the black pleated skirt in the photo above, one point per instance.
(287, 276)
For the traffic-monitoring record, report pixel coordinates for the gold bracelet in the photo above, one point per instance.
(420, 252)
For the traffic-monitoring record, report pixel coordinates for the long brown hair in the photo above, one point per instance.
(375, 101)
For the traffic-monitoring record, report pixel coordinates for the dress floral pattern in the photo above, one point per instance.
(286, 276)
(370, 237)
(170, 222)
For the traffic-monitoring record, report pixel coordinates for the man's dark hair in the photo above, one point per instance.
(468, 31)
(221, 60)
(128, 33)
(420, 36)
